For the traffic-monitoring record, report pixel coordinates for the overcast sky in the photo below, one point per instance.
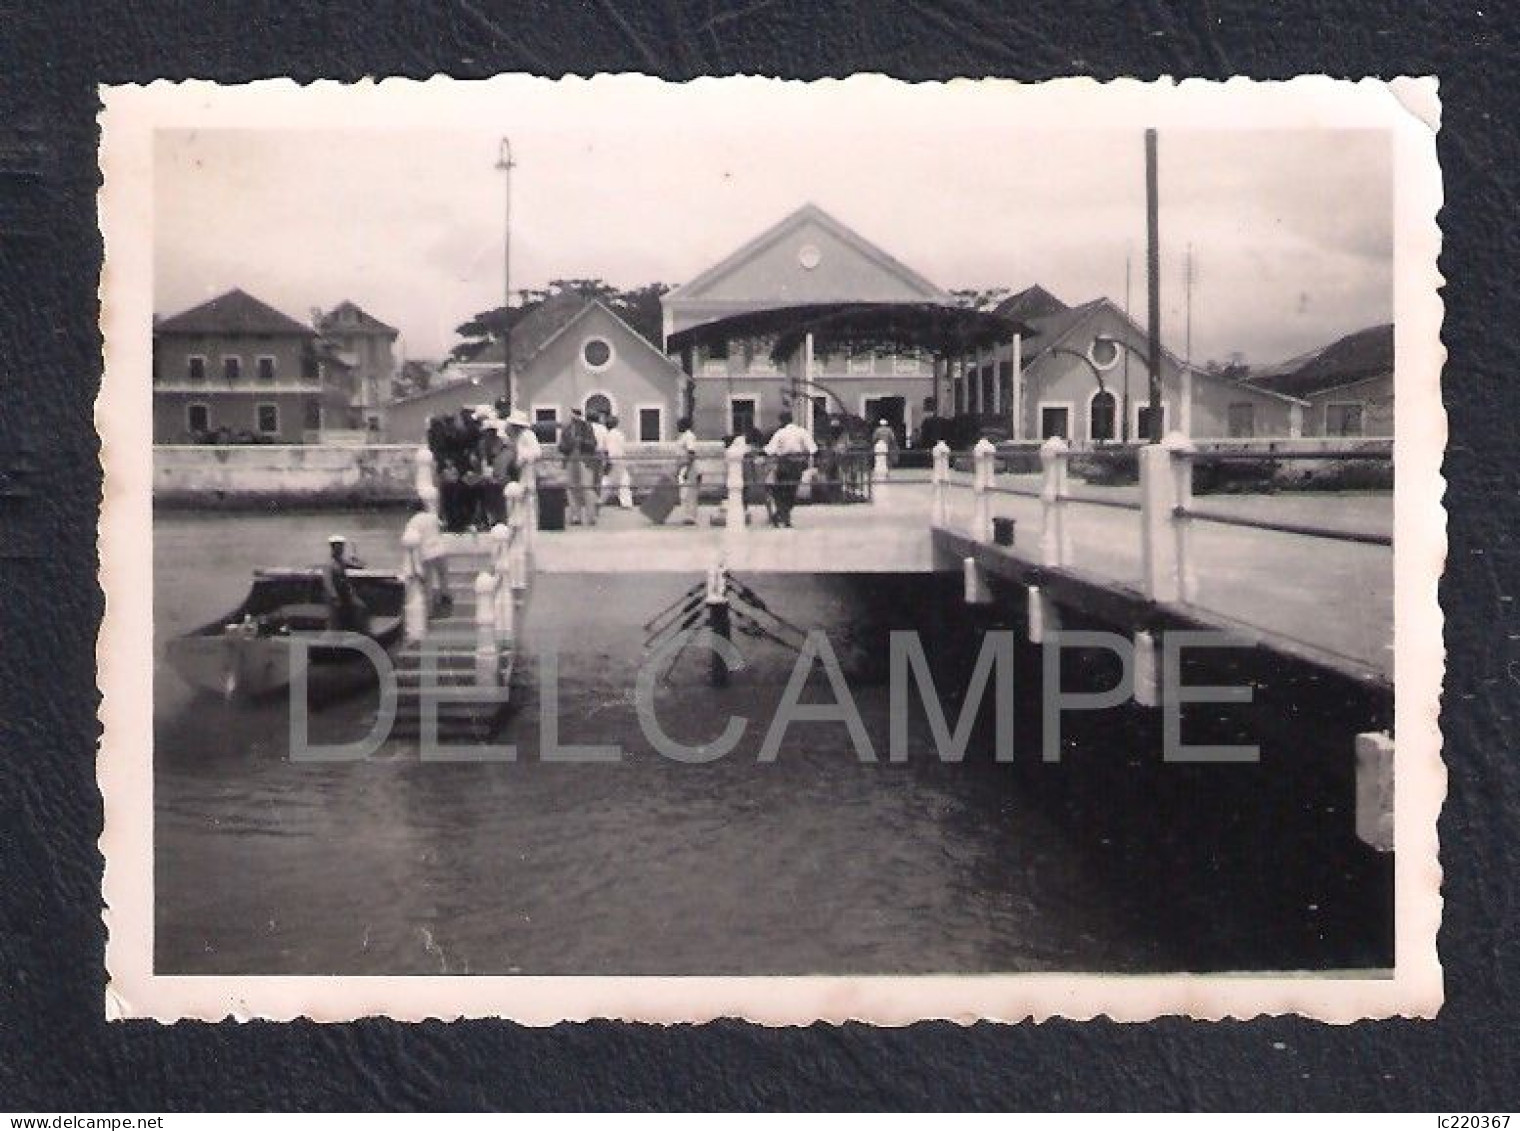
(1291, 230)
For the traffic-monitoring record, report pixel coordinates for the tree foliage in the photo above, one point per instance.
(974, 299)
(638, 306)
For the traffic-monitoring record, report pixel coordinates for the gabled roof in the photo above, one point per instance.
(236, 312)
(349, 318)
(1032, 302)
(546, 322)
(807, 213)
(533, 330)
(1356, 357)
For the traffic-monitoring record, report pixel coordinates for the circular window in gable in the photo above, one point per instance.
(597, 353)
(809, 256)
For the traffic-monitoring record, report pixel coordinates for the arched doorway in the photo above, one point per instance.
(598, 404)
(1101, 415)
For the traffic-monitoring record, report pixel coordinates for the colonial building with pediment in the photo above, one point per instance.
(808, 259)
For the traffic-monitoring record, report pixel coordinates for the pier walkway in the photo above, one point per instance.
(1334, 597)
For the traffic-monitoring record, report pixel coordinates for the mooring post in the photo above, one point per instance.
(415, 611)
(501, 574)
(1044, 615)
(978, 590)
(427, 486)
(1181, 449)
(1374, 790)
(1055, 539)
(981, 487)
(487, 661)
(941, 480)
(879, 469)
(1165, 485)
(517, 523)
(718, 620)
(1147, 670)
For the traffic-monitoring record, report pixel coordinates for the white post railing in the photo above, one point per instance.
(981, 486)
(941, 481)
(414, 574)
(487, 655)
(517, 520)
(1166, 486)
(528, 478)
(425, 480)
(501, 578)
(1055, 538)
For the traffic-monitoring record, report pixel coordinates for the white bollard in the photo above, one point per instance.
(517, 517)
(978, 590)
(1374, 791)
(880, 471)
(487, 661)
(941, 481)
(501, 569)
(1147, 670)
(1055, 538)
(1165, 484)
(427, 486)
(415, 610)
(981, 486)
(1044, 616)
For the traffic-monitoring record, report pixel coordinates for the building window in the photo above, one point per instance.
(197, 368)
(820, 414)
(596, 353)
(1100, 416)
(1241, 422)
(1343, 420)
(198, 418)
(651, 425)
(546, 423)
(311, 368)
(741, 415)
(1055, 420)
(1143, 422)
(599, 404)
(232, 368)
(266, 370)
(269, 419)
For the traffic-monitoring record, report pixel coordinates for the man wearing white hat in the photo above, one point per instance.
(345, 610)
(520, 432)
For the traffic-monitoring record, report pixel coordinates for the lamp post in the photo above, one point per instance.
(1153, 281)
(505, 163)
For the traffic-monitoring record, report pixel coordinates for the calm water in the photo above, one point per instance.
(813, 863)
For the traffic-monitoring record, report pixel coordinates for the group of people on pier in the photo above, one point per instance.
(478, 451)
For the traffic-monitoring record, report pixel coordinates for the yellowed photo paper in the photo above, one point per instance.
(853, 550)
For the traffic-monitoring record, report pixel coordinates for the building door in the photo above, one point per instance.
(741, 412)
(1100, 425)
(894, 410)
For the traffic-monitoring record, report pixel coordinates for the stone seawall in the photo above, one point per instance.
(259, 475)
(191, 477)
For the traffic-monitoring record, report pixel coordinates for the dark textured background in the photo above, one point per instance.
(55, 1050)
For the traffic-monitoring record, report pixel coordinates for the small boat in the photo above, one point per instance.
(247, 653)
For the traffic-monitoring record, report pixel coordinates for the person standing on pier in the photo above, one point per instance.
(792, 448)
(577, 444)
(597, 466)
(618, 479)
(527, 452)
(433, 553)
(686, 470)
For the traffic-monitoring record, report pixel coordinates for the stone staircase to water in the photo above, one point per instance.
(463, 712)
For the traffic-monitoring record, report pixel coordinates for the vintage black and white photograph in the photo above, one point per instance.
(813, 542)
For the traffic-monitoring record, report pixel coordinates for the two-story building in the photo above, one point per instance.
(236, 368)
(366, 347)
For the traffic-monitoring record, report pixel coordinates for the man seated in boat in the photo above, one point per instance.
(345, 611)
